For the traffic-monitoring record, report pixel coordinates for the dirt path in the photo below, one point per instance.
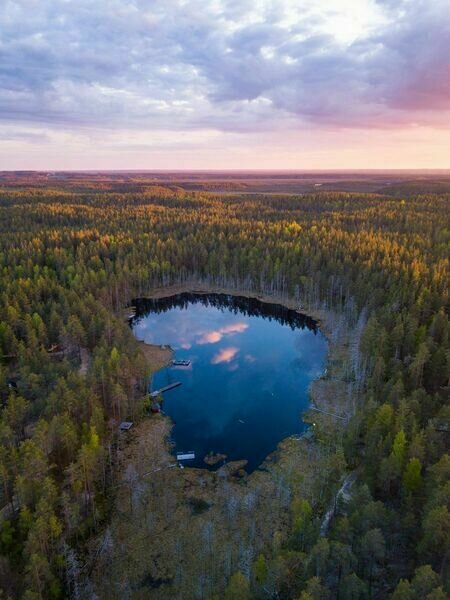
(345, 494)
(85, 361)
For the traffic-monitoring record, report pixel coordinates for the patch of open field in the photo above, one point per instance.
(156, 357)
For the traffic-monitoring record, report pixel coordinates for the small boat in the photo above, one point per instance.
(181, 363)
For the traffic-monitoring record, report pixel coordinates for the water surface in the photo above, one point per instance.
(247, 384)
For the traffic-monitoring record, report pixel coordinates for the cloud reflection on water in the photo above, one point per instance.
(183, 331)
(224, 356)
(212, 337)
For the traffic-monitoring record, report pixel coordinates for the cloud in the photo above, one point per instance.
(230, 66)
(234, 328)
(212, 337)
(225, 356)
(30, 137)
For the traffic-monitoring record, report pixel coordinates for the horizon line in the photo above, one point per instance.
(231, 170)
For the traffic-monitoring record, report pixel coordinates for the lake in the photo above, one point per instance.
(251, 364)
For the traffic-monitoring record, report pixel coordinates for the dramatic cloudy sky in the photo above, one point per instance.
(224, 84)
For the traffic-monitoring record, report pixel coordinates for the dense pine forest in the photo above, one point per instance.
(72, 258)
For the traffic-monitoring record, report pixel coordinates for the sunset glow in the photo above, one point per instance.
(224, 84)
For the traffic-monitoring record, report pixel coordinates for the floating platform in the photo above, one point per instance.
(181, 363)
(186, 455)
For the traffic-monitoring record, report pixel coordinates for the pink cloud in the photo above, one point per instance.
(224, 356)
(212, 337)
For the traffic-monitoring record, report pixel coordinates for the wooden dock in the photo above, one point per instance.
(190, 455)
(164, 389)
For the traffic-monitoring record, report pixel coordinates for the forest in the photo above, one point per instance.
(72, 257)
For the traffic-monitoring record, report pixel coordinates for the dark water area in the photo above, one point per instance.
(251, 364)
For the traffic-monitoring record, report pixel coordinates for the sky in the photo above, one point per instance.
(224, 84)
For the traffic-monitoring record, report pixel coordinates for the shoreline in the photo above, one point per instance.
(163, 354)
(199, 288)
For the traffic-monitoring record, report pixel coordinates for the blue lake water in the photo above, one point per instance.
(247, 384)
